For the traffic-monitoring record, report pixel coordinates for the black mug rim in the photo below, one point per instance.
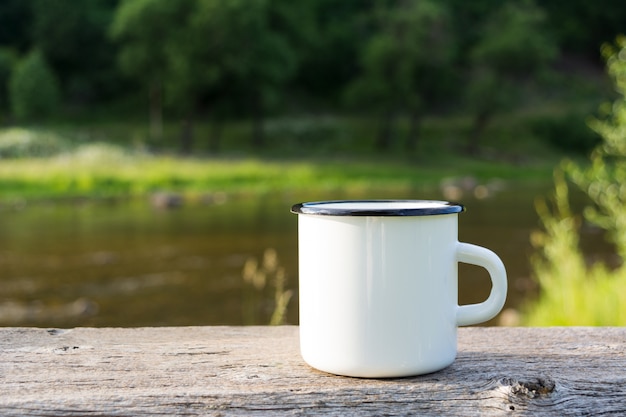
(321, 208)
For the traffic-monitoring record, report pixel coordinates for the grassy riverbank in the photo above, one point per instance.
(98, 162)
(106, 171)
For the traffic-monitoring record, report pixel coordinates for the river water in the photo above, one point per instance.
(128, 263)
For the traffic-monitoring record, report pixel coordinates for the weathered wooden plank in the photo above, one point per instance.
(258, 371)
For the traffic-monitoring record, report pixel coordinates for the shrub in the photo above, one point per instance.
(572, 292)
(33, 89)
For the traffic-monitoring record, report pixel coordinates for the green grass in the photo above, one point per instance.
(573, 291)
(106, 171)
(117, 159)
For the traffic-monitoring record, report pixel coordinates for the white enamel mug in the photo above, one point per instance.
(378, 286)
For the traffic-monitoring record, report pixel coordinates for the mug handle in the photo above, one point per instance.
(488, 309)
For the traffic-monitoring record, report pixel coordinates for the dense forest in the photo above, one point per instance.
(220, 60)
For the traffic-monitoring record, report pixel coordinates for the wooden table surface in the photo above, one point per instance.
(224, 371)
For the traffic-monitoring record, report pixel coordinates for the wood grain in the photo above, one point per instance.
(224, 371)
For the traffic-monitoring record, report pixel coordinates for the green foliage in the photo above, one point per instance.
(512, 49)
(513, 46)
(212, 47)
(488, 92)
(72, 36)
(33, 88)
(514, 41)
(327, 36)
(246, 53)
(306, 136)
(7, 62)
(405, 60)
(605, 180)
(233, 59)
(571, 291)
(139, 55)
(406, 64)
(218, 55)
(26, 143)
(568, 132)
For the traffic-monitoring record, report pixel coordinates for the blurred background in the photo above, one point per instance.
(150, 150)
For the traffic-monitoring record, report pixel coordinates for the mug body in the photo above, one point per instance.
(378, 293)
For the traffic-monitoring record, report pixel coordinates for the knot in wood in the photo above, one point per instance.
(533, 388)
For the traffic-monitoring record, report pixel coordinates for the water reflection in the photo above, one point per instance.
(131, 264)
(138, 264)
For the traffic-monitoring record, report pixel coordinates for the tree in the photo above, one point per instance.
(7, 63)
(244, 52)
(140, 28)
(72, 35)
(328, 34)
(204, 53)
(404, 64)
(33, 88)
(512, 50)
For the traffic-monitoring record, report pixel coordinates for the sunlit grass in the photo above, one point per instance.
(573, 292)
(60, 163)
(106, 170)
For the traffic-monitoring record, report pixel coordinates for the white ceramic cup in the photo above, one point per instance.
(378, 286)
